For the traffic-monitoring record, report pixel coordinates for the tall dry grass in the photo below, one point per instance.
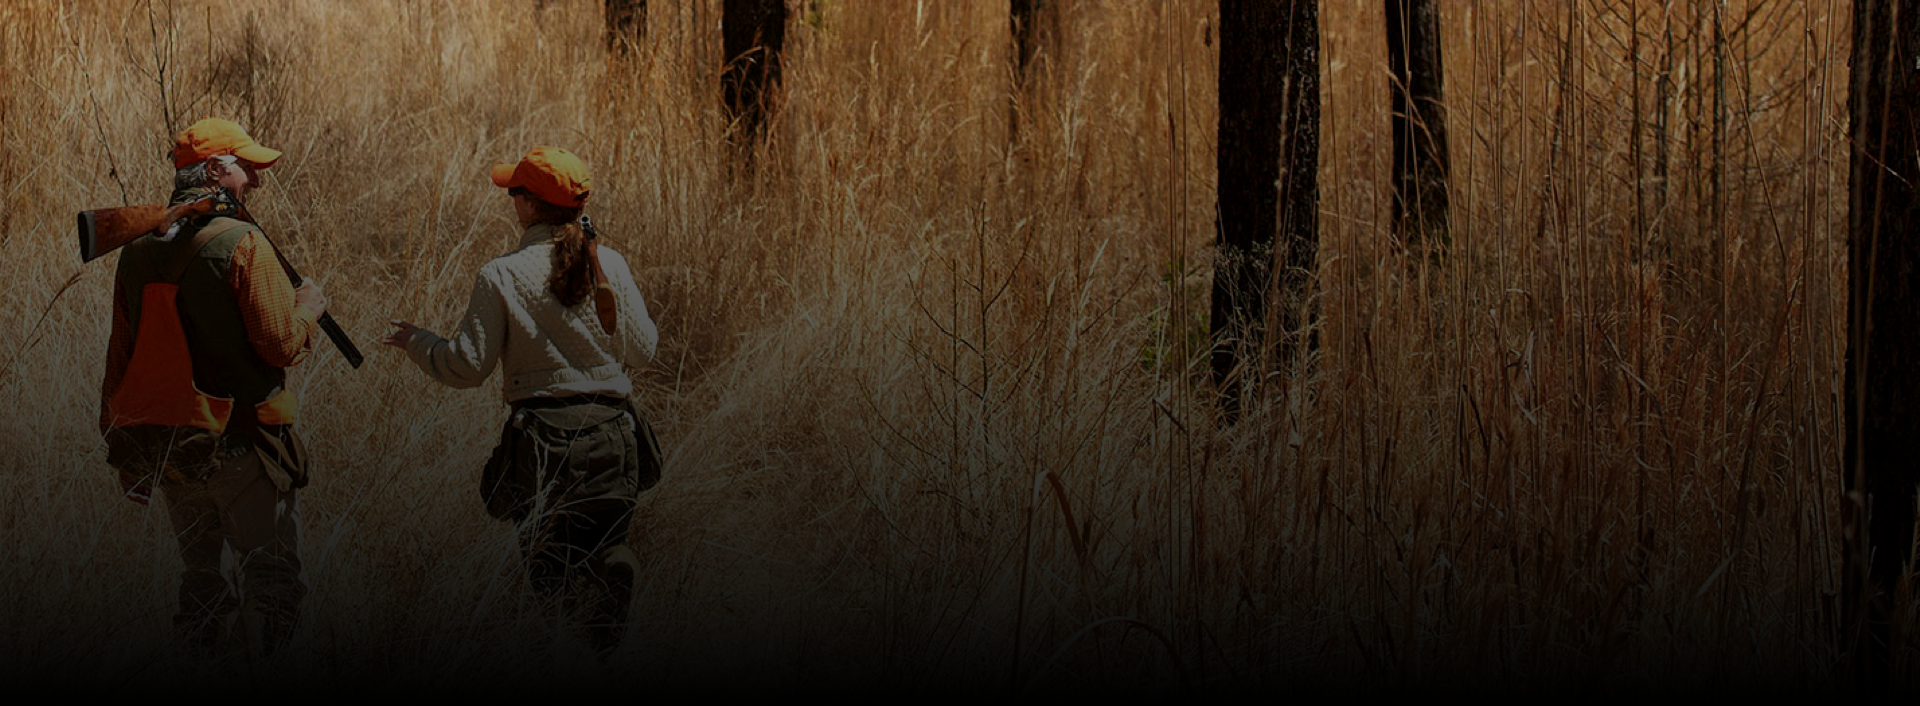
(934, 405)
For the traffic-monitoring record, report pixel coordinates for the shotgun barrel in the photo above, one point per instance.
(339, 337)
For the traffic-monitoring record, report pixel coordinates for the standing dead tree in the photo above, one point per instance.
(1267, 219)
(1035, 25)
(626, 25)
(1420, 162)
(1036, 30)
(1883, 328)
(753, 33)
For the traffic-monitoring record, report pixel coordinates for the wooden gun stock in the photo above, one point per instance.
(105, 230)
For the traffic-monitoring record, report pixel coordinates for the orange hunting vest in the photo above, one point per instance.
(158, 387)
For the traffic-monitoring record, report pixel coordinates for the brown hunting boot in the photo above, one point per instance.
(609, 578)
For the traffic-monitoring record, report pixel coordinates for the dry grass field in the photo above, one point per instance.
(936, 409)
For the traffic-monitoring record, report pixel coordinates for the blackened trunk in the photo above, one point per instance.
(1420, 162)
(753, 33)
(1036, 26)
(1883, 324)
(626, 25)
(1036, 30)
(1662, 133)
(1268, 172)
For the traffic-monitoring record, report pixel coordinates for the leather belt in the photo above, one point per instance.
(569, 401)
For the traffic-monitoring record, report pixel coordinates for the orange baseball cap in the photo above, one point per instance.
(213, 137)
(551, 173)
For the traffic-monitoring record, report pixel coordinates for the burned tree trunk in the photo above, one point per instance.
(753, 33)
(1883, 326)
(1420, 162)
(1036, 31)
(626, 25)
(1036, 28)
(1268, 167)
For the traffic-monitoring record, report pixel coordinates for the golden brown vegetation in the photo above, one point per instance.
(937, 407)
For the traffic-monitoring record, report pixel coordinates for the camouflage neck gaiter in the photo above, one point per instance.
(192, 225)
(190, 183)
(181, 196)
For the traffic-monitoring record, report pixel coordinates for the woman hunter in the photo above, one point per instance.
(561, 316)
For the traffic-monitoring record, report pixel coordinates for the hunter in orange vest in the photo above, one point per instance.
(195, 401)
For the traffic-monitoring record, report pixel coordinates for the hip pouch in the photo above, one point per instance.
(572, 457)
(146, 455)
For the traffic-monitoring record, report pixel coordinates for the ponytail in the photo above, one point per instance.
(576, 273)
(573, 254)
(572, 278)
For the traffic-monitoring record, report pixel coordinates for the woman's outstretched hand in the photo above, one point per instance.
(402, 333)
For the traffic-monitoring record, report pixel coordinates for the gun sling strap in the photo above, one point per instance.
(605, 305)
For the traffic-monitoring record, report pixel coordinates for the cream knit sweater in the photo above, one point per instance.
(546, 350)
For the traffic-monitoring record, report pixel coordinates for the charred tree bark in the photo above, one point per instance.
(1883, 328)
(626, 25)
(1420, 162)
(753, 32)
(1662, 134)
(1267, 220)
(1036, 29)
(1036, 35)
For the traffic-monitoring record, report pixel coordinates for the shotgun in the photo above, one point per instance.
(105, 230)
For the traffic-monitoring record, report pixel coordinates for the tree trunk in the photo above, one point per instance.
(1036, 31)
(1036, 36)
(626, 25)
(1883, 325)
(754, 33)
(1268, 166)
(1662, 135)
(1420, 162)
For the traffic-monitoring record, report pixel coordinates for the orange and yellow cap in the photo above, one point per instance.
(213, 137)
(551, 173)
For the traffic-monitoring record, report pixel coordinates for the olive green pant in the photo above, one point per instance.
(239, 506)
(581, 561)
(567, 471)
